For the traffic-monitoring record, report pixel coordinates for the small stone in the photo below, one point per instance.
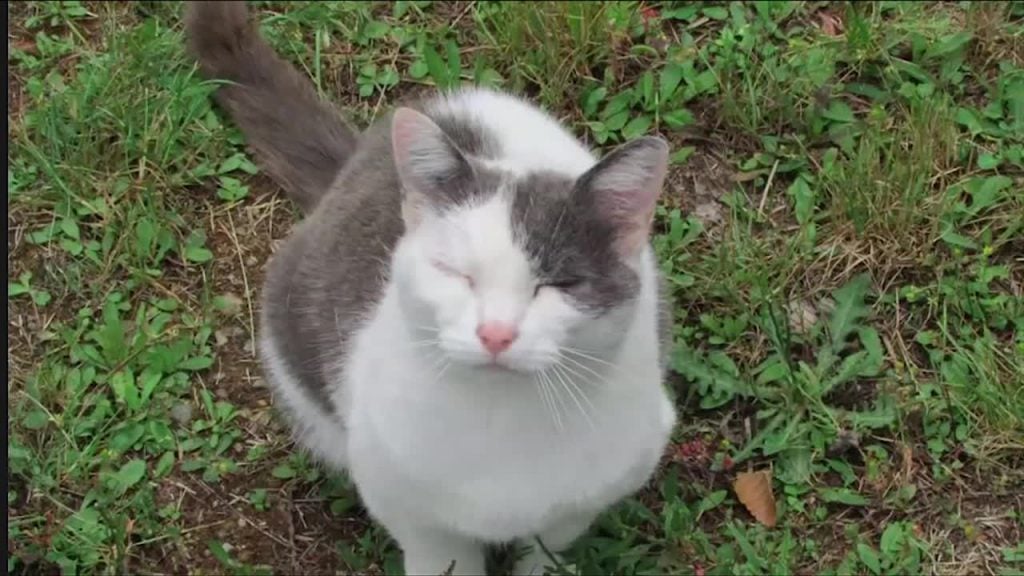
(708, 213)
(845, 441)
(221, 393)
(220, 337)
(262, 418)
(802, 316)
(182, 413)
(241, 522)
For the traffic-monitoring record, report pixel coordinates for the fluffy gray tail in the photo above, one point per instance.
(300, 140)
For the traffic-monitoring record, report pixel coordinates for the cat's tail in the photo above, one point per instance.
(301, 141)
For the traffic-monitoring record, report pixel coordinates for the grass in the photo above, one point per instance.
(842, 229)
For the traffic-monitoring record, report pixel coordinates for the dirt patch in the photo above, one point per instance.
(697, 187)
(297, 532)
(242, 238)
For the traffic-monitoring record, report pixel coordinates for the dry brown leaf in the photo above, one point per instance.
(754, 489)
(831, 24)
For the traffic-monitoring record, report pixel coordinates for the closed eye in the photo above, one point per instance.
(454, 273)
(561, 285)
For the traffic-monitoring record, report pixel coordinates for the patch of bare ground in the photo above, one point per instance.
(242, 238)
(297, 534)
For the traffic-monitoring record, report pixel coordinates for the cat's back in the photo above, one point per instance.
(327, 275)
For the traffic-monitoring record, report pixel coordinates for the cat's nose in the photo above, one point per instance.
(496, 337)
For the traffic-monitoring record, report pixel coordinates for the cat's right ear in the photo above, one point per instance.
(431, 169)
(623, 189)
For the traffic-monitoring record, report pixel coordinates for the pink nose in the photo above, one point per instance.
(496, 337)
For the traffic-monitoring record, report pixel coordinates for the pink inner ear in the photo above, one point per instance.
(632, 214)
(407, 127)
(635, 170)
(628, 192)
(633, 205)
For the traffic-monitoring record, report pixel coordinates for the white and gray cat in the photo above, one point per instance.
(468, 320)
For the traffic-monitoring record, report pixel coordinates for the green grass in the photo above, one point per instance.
(842, 228)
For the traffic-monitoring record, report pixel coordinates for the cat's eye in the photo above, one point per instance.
(561, 285)
(453, 272)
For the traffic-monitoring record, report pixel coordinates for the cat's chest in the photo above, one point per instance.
(501, 465)
(463, 429)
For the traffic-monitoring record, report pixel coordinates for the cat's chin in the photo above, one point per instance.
(498, 368)
(503, 367)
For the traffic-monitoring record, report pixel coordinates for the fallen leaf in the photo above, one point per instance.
(648, 13)
(831, 24)
(25, 46)
(754, 489)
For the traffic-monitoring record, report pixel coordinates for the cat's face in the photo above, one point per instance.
(472, 286)
(521, 272)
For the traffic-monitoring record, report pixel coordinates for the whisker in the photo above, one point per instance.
(581, 378)
(569, 373)
(555, 400)
(570, 387)
(600, 377)
(440, 373)
(587, 356)
(542, 391)
(423, 343)
(562, 410)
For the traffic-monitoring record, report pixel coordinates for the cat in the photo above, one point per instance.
(469, 319)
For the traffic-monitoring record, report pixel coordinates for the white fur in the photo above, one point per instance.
(449, 452)
(529, 138)
(310, 428)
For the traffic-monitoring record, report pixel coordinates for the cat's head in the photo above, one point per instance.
(520, 271)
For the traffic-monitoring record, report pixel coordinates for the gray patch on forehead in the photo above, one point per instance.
(469, 135)
(467, 187)
(472, 181)
(569, 244)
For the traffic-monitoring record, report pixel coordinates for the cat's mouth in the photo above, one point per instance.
(508, 362)
(498, 367)
(501, 366)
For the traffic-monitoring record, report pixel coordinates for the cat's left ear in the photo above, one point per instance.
(431, 168)
(623, 188)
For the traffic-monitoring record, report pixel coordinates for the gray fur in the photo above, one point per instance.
(300, 140)
(569, 243)
(440, 163)
(334, 266)
(467, 135)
